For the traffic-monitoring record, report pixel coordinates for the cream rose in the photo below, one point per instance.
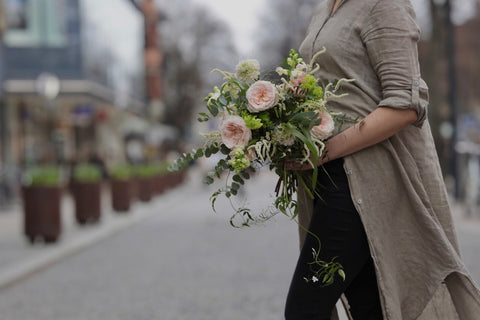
(262, 95)
(248, 70)
(234, 132)
(325, 128)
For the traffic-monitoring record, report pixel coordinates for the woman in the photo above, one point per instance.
(389, 220)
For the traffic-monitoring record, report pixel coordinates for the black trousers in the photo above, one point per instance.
(337, 223)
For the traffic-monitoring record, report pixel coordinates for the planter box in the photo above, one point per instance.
(134, 189)
(145, 189)
(87, 201)
(121, 195)
(42, 213)
(160, 184)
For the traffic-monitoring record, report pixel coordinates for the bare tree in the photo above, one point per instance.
(283, 28)
(194, 42)
(434, 69)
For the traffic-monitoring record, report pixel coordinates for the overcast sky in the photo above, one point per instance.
(243, 16)
(124, 31)
(125, 27)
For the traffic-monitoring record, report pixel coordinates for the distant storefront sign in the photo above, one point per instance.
(83, 114)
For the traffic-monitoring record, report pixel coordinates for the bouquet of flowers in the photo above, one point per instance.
(267, 123)
(263, 123)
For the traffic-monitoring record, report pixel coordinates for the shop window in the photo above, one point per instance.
(36, 23)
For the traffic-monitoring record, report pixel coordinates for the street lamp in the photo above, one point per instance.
(48, 86)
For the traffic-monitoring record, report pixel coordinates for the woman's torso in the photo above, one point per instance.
(346, 56)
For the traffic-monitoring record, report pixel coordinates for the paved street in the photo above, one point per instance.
(180, 262)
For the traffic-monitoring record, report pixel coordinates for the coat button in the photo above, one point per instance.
(349, 171)
(359, 201)
(416, 82)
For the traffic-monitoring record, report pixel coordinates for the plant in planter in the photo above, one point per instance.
(162, 177)
(41, 194)
(121, 185)
(145, 178)
(87, 181)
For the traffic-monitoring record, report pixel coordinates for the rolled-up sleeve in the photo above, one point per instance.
(390, 35)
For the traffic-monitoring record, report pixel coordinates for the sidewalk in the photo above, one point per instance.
(463, 221)
(19, 259)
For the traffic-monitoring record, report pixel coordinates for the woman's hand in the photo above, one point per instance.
(379, 125)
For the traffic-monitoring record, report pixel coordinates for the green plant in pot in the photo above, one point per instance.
(122, 172)
(162, 174)
(121, 185)
(86, 187)
(145, 175)
(145, 171)
(43, 176)
(41, 195)
(87, 173)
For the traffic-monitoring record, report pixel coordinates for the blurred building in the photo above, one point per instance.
(468, 64)
(3, 19)
(68, 92)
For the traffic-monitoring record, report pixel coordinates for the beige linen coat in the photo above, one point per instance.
(396, 185)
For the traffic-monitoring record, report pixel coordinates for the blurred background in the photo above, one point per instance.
(77, 85)
(119, 82)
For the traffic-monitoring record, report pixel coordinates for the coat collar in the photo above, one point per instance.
(332, 3)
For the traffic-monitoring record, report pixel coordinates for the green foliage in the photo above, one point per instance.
(145, 171)
(43, 176)
(311, 86)
(160, 168)
(323, 271)
(277, 135)
(121, 172)
(251, 121)
(239, 162)
(187, 158)
(86, 172)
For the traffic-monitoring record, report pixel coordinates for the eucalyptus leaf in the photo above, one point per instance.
(238, 179)
(208, 180)
(245, 175)
(213, 109)
(224, 149)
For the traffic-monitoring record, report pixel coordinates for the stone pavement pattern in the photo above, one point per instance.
(180, 262)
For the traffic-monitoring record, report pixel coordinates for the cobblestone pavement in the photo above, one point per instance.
(181, 262)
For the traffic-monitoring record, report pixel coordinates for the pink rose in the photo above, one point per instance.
(325, 128)
(234, 132)
(262, 95)
(297, 81)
